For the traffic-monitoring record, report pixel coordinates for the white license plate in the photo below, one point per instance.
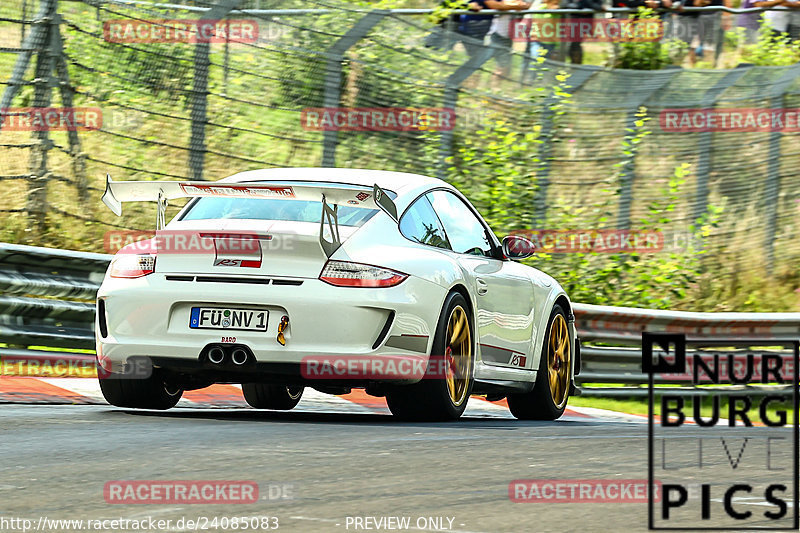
(228, 318)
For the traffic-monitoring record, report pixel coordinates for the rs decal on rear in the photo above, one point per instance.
(518, 360)
(237, 252)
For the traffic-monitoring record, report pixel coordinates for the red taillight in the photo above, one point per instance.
(132, 265)
(346, 274)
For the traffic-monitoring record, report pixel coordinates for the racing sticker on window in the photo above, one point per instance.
(238, 191)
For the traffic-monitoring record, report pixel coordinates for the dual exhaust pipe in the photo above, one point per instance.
(218, 354)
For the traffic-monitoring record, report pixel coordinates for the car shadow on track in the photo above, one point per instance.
(251, 415)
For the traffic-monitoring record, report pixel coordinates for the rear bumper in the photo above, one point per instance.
(149, 317)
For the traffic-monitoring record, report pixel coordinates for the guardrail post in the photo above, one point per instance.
(333, 76)
(577, 78)
(773, 183)
(36, 202)
(704, 156)
(450, 101)
(35, 40)
(197, 143)
(628, 174)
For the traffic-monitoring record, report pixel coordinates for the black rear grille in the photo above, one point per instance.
(224, 279)
(233, 279)
(287, 282)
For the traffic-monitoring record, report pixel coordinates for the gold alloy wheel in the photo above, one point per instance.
(458, 355)
(558, 360)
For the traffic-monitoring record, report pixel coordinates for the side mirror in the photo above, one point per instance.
(516, 247)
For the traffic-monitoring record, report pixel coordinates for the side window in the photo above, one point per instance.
(465, 232)
(420, 224)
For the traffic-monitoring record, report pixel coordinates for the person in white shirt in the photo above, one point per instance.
(778, 20)
(500, 39)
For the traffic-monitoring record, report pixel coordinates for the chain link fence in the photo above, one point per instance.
(205, 110)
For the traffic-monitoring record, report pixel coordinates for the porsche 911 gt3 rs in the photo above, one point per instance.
(268, 271)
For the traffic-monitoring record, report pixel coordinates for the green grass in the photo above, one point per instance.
(639, 406)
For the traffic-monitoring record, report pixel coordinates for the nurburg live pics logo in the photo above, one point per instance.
(716, 473)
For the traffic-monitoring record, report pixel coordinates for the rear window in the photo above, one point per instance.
(209, 208)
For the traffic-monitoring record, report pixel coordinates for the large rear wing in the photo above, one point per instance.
(118, 192)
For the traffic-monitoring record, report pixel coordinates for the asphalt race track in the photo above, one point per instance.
(329, 459)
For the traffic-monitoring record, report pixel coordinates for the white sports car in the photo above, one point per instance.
(334, 279)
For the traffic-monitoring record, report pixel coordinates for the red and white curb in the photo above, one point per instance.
(72, 391)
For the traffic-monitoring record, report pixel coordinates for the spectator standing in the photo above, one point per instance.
(500, 36)
(778, 20)
(576, 47)
(704, 26)
(472, 29)
(749, 21)
(551, 51)
(794, 22)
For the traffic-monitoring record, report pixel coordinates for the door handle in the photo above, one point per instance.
(483, 288)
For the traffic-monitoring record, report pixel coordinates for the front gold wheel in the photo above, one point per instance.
(548, 399)
(558, 361)
(458, 355)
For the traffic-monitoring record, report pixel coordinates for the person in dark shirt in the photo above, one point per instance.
(473, 28)
(576, 47)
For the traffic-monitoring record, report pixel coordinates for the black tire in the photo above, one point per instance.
(431, 399)
(146, 393)
(540, 404)
(276, 397)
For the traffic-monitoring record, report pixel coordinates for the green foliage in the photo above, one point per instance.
(772, 50)
(496, 167)
(648, 55)
(445, 8)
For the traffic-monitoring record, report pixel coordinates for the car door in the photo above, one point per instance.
(504, 291)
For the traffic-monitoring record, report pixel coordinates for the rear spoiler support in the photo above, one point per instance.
(162, 210)
(331, 216)
(383, 201)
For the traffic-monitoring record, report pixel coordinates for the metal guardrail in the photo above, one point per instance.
(47, 300)
(612, 337)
